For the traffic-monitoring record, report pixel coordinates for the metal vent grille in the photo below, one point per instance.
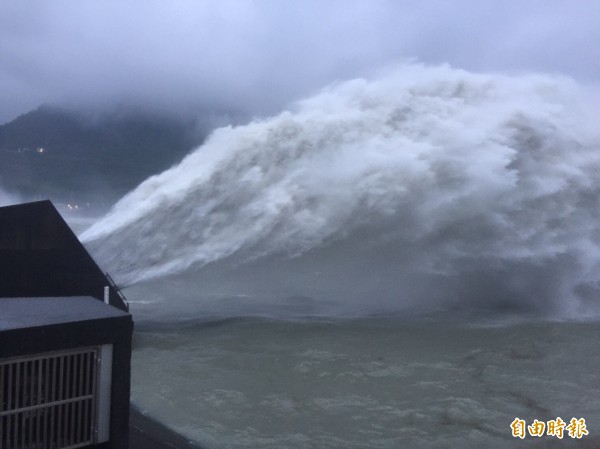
(48, 401)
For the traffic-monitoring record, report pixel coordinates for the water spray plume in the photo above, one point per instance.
(486, 184)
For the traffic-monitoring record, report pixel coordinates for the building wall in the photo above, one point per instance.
(118, 331)
(41, 256)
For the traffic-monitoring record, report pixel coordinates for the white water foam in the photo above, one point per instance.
(431, 182)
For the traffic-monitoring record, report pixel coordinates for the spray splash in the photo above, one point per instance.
(425, 185)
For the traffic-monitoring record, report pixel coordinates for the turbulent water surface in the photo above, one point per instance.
(282, 275)
(368, 383)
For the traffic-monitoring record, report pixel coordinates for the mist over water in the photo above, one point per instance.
(7, 199)
(424, 188)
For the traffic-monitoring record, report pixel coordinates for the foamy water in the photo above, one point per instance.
(255, 267)
(369, 383)
(426, 187)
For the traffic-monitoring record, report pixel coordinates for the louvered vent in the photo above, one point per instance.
(50, 401)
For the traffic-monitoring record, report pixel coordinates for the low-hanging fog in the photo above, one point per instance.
(256, 57)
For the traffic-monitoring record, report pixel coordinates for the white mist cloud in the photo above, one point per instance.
(429, 182)
(257, 56)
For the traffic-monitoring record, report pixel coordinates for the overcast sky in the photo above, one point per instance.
(257, 56)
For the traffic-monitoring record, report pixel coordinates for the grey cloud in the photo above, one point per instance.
(257, 56)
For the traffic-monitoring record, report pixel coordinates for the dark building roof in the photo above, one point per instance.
(20, 313)
(40, 256)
